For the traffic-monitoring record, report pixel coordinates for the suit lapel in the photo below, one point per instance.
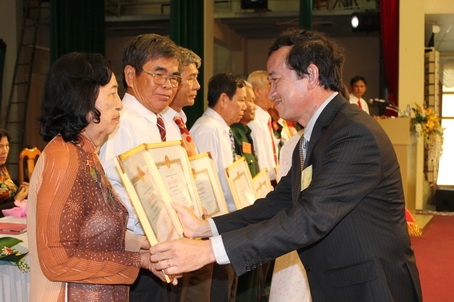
(323, 121)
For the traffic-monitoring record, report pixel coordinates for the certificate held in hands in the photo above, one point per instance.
(148, 195)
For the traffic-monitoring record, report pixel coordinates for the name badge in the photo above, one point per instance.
(247, 148)
(306, 177)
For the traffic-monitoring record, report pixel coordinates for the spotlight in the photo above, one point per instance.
(365, 21)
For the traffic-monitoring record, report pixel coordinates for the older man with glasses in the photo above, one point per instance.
(151, 71)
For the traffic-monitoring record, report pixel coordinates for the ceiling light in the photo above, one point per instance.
(365, 21)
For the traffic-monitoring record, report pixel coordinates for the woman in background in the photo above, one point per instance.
(9, 192)
(76, 223)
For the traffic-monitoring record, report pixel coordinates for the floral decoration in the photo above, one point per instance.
(428, 125)
(426, 122)
(7, 253)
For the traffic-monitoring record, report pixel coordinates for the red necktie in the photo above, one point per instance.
(161, 128)
(359, 104)
(186, 138)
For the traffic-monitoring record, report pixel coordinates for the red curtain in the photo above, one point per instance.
(389, 20)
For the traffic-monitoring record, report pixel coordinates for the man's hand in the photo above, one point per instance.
(181, 256)
(193, 226)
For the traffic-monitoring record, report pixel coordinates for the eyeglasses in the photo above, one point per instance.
(160, 79)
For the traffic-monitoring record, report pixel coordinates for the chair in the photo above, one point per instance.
(27, 161)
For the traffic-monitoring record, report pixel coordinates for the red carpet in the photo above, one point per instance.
(435, 259)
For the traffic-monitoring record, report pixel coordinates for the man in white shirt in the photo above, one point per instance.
(186, 92)
(358, 87)
(211, 133)
(261, 131)
(151, 70)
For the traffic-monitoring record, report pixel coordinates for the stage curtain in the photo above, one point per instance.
(389, 17)
(77, 25)
(187, 30)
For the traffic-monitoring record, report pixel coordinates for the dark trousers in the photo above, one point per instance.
(224, 283)
(150, 288)
(254, 286)
(196, 285)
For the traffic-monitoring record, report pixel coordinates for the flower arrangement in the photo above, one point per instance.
(426, 122)
(7, 253)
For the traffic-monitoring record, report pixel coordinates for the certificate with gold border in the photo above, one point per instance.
(208, 184)
(240, 183)
(173, 166)
(262, 183)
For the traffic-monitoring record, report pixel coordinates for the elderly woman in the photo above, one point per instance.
(76, 223)
(9, 192)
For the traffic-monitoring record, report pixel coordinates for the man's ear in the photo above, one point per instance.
(130, 74)
(313, 75)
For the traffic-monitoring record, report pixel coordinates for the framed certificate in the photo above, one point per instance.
(240, 183)
(208, 185)
(262, 183)
(148, 196)
(172, 162)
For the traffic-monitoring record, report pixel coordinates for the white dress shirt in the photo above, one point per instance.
(137, 126)
(354, 100)
(211, 134)
(263, 145)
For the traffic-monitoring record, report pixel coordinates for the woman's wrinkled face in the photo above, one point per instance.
(109, 105)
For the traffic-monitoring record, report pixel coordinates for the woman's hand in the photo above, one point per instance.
(146, 263)
(22, 193)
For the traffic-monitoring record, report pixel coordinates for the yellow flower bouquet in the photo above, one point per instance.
(428, 125)
(426, 122)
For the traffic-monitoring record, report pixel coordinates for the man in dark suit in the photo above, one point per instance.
(341, 205)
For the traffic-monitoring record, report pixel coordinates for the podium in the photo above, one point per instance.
(405, 142)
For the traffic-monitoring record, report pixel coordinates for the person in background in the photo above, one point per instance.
(341, 206)
(76, 224)
(250, 285)
(211, 133)
(151, 73)
(358, 87)
(244, 146)
(261, 127)
(9, 192)
(194, 286)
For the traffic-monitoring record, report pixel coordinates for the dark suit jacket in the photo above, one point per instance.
(348, 226)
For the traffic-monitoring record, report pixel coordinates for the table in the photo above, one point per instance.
(14, 284)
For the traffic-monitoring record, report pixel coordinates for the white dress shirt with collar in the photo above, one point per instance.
(354, 100)
(211, 134)
(137, 126)
(263, 145)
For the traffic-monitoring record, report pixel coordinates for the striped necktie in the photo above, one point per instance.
(161, 128)
(303, 152)
(232, 143)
